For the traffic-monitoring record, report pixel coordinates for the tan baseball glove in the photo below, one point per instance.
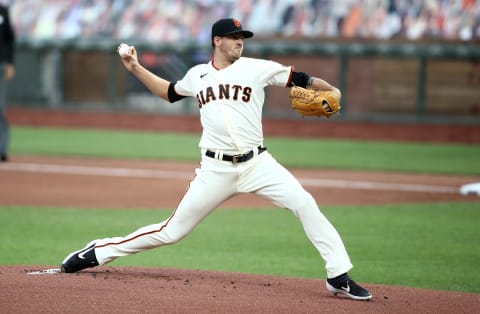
(308, 102)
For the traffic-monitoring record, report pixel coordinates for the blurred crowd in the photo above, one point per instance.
(190, 20)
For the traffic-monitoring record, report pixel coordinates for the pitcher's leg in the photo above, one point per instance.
(320, 232)
(206, 192)
(272, 181)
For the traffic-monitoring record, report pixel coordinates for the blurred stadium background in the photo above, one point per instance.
(395, 60)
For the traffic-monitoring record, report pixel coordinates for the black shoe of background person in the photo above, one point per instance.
(3, 157)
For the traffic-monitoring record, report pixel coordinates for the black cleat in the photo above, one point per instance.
(80, 259)
(3, 157)
(345, 285)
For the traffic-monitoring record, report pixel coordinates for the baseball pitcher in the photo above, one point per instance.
(230, 94)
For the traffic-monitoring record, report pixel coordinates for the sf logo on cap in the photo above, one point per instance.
(236, 22)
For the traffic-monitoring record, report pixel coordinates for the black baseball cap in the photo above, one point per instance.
(229, 26)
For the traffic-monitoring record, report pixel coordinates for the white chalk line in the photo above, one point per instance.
(183, 175)
(370, 185)
(96, 171)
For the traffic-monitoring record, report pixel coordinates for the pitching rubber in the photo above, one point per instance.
(51, 271)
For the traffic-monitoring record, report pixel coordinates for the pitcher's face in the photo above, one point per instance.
(231, 47)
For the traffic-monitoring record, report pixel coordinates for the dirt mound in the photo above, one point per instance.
(159, 290)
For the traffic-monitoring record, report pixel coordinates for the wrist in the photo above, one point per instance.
(310, 82)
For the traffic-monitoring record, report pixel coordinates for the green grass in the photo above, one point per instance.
(433, 246)
(104, 143)
(292, 152)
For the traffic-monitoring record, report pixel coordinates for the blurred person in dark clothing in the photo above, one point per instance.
(7, 71)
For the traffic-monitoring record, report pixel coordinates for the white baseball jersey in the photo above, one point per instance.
(231, 100)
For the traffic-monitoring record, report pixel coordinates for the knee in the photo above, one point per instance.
(172, 237)
(304, 203)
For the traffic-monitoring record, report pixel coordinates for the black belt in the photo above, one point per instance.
(237, 158)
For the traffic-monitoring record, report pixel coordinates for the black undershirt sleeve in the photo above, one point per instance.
(172, 94)
(299, 79)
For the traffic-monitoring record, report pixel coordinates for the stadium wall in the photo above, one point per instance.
(380, 80)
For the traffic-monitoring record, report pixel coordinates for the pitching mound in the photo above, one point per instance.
(158, 290)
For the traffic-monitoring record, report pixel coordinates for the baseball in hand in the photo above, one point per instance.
(123, 49)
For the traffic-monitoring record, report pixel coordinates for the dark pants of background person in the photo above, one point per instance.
(4, 129)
